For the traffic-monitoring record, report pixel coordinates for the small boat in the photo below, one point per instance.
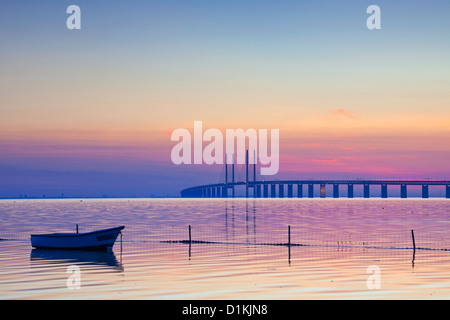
(96, 240)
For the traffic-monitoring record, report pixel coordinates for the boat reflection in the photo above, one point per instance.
(80, 257)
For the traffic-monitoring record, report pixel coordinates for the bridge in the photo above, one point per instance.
(296, 188)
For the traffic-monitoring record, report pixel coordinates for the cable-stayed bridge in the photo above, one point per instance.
(304, 188)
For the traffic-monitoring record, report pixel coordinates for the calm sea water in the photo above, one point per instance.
(340, 249)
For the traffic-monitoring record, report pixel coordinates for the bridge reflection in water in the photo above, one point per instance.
(297, 188)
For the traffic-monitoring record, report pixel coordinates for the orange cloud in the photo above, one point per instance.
(345, 113)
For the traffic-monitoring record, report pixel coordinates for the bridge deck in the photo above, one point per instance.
(221, 189)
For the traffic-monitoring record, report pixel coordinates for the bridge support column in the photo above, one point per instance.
(350, 190)
(335, 191)
(323, 192)
(213, 192)
(258, 190)
(384, 193)
(310, 190)
(367, 190)
(290, 191)
(281, 190)
(425, 191)
(403, 191)
(299, 190)
(447, 192)
(246, 173)
(225, 191)
(273, 192)
(266, 190)
(208, 192)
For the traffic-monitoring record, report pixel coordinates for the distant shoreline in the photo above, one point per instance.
(68, 198)
(238, 197)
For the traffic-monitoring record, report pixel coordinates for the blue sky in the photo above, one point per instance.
(89, 111)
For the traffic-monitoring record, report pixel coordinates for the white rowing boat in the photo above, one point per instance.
(95, 240)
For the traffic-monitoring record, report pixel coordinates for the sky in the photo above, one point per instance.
(90, 112)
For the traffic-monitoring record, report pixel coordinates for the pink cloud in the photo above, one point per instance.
(325, 161)
(345, 113)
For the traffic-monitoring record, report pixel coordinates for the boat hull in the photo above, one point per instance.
(97, 240)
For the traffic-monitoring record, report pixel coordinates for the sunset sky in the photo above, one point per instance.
(90, 112)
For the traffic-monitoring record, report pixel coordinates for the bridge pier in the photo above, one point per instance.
(366, 190)
(273, 193)
(310, 190)
(246, 173)
(350, 190)
(403, 191)
(266, 190)
(335, 190)
(290, 191)
(281, 190)
(323, 192)
(384, 193)
(447, 191)
(299, 190)
(425, 191)
(225, 191)
(258, 190)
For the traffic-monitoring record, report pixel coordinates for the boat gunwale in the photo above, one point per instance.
(56, 235)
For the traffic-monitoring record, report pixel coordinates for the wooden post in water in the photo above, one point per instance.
(121, 244)
(414, 247)
(190, 238)
(289, 235)
(289, 244)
